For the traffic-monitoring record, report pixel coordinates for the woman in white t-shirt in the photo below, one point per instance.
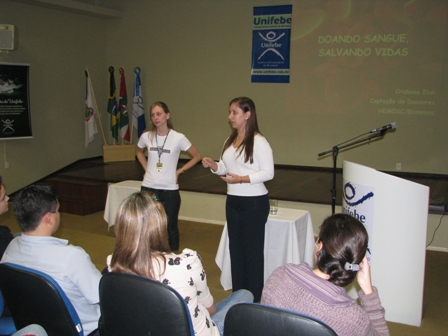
(141, 247)
(164, 145)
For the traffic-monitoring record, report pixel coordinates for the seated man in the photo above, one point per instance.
(36, 208)
(5, 232)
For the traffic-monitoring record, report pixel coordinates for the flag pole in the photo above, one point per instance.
(96, 107)
(123, 110)
(112, 107)
(138, 113)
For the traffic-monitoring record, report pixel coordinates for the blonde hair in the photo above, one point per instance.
(140, 236)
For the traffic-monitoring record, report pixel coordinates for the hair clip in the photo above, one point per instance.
(155, 198)
(351, 267)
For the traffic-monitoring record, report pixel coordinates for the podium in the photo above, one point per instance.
(395, 213)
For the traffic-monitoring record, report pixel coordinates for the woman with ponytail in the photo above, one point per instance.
(340, 258)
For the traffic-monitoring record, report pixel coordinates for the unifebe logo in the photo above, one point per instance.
(358, 201)
(271, 37)
(8, 126)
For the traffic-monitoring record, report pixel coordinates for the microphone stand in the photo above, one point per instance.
(335, 151)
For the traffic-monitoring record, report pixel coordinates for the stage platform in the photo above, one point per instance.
(291, 183)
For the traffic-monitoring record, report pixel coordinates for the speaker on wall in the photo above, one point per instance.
(8, 37)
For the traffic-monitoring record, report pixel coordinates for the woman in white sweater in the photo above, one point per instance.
(246, 162)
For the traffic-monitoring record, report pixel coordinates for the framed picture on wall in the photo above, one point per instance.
(15, 117)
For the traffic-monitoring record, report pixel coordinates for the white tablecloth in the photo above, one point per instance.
(116, 194)
(289, 238)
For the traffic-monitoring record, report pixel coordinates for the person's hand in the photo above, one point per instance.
(209, 163)
(231, 178)
(178, 172)
(363, 277)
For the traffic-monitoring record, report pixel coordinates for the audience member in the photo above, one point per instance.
(340, 257)
(36, 208)
(31, 330)
(5, 232)
(142, 248)
(246, 163)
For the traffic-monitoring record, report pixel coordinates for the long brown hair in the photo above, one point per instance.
(247, 145)
(344, 239)
(140, 236)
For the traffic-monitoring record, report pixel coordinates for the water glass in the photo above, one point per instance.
(273, 207)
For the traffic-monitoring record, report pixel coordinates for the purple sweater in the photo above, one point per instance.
(296, 287)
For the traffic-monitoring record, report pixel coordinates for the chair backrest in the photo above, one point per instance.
(7, 326)
(135, 305)
(251, 319)
(35, 297)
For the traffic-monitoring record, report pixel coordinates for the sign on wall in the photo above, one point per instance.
(15, 118)
(271, 38)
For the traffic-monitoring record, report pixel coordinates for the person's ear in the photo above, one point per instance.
(47, 217)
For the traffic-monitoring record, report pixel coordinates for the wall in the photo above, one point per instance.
(196, 56)
(58, 46)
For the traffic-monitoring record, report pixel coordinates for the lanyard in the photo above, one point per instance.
(160, 149)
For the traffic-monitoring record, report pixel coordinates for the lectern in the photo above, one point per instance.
(395, 213)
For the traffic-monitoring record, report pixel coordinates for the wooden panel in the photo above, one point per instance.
(119, 153)
(290, 183)
(80, 196)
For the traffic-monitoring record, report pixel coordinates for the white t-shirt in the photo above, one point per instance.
(164, 150)
(261, 170)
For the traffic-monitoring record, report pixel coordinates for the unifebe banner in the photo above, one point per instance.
(15, 118)
(271, 38)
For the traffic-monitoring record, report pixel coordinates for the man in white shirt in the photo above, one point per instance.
(36, 208)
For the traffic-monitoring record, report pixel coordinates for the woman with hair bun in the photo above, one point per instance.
(340, 258)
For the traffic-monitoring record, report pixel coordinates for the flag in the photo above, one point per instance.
(123, 109)
(138, 114)
(90, 123)
(112, 105)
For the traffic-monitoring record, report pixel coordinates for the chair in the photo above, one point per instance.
(251, 319)
(35, 297)
(135, 305)
(7, 326)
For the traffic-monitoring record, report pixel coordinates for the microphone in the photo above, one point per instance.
(384, 128)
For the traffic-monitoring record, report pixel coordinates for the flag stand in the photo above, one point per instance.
(118, 152)
(115, 153)
(125, 152)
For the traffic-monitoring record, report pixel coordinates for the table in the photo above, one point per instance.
(116, 194)
(289, 238)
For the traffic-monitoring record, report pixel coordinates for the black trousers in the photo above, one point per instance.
(171, 202)
(246, 220)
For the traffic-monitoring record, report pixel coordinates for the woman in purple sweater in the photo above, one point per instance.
(340, 257)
